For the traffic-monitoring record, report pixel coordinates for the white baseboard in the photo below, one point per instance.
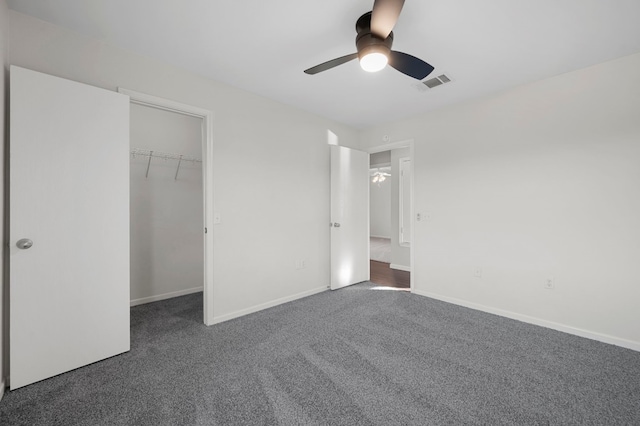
(2, 385)
(379, 236)
(605, 338)
(164, 296)
(260, 307)
(400, 267)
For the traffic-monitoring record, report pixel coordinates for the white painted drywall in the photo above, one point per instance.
(535, 182)
(271, 164)
(380, 158)
(4, 327)
(166, 213)
(380, 208)
(380, 198)
(400, 255)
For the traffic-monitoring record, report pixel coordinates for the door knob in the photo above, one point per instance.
(24, 244)
(336, 225)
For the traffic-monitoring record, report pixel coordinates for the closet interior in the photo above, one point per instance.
(167, 225)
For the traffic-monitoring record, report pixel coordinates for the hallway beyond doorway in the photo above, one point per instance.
(380, 249)
(382, 274)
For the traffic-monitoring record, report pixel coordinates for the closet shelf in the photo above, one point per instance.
(165, 156)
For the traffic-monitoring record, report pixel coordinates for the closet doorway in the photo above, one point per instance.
(170, 160)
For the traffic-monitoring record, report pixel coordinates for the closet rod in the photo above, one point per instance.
(163, 155)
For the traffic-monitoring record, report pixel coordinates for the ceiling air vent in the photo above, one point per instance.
(437, 81)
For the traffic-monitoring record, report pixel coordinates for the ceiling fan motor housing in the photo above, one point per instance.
(367, 42)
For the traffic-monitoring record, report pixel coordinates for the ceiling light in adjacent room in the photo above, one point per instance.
(379, 174)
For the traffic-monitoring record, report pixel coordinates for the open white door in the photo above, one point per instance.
(350, 216)
(69, 225)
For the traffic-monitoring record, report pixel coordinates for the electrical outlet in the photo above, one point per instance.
(477, 272)
(549, 283)
(420, 217)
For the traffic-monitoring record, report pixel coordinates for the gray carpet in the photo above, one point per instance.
(350, 357)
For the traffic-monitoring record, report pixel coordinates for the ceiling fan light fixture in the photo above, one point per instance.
(374, 58)
(374, 62)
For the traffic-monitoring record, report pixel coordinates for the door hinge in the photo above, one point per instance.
(205, 230)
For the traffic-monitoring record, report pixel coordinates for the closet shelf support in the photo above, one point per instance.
(178, 168)
(146, 175)
(165, 156)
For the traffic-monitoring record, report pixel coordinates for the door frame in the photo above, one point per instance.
(143, 99)
(407, 143)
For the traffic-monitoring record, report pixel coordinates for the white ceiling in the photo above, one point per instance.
(264, 46)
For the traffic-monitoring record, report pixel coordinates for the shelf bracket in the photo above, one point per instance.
(178, 169)
(146, 175)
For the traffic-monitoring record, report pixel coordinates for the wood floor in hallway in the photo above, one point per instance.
(382, 274)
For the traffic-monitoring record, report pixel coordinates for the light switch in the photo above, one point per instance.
(216, 218)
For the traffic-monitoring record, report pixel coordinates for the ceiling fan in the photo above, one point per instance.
(380, 174)
(373, 42)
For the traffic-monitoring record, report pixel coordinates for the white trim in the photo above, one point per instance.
(605, 338)
(407, 143)
(2, 386)
(400, 267)
(163, 103)
(379, 165)
(207, 180)
(262, 306)
(389, 146)
(401, 234)
(156, 298)
(379, 236)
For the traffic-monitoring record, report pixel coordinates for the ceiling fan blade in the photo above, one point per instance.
(384, 16)
(409, 65)
(330, 64)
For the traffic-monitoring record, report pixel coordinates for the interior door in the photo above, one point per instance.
(69, 225)
(405, 202)
(349, 216)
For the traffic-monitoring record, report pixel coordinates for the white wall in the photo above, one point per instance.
(4, 326)
(166, 213)
(380, 208)
(380, 199)
(400, 255)
(380, 158)
(539, 181)
(271, 164)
